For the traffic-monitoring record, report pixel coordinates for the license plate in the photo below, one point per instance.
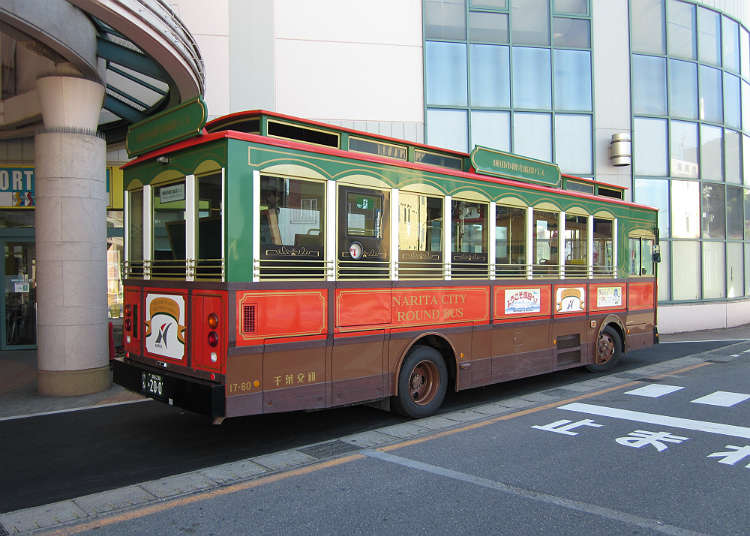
(152, 384)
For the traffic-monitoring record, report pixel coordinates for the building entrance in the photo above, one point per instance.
(18, 306)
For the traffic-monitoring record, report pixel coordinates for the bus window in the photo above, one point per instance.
(469, 239)
(576, 246)
(210, 223)
(135, 234)
(420, 236)
(363, 234)
(603, 247)
(292, 224)
(168, 260)
(546, 227)
(510, 241)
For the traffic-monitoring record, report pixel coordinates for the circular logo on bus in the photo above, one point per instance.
(356, 250)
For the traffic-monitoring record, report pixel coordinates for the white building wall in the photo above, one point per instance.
(611, 81)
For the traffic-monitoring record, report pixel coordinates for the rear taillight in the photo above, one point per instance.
(128, 324)
(213, 321)
(128, 310)
(213, 339)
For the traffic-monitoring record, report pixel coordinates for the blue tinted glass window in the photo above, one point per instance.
(647, 26)
(445, 64)
(445, 19)
(712, 153)
(572, 80)
(709, 83)
(709, 36)
(649, 85)
(491, 129)
(488, 27)
(572, 33)
(683, 89)
(650, 146)
(578, 7)
(681, 29)
(654, 193)
(730, 44)
(683, 149)
(746, 106)
(532, 135)
(530, 22)
(531, 78)
(447, 129)
(490, 76)
(573, 143)
(731, 100)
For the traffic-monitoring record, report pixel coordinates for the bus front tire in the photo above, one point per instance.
(422, 383)
(608, 350)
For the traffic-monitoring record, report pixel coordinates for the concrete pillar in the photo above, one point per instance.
(71, 239)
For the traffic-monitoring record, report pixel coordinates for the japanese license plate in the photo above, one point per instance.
(152, 384)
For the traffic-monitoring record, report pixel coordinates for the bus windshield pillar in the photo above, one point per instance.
(447, 237)
(492, 249)
(395, 225)
(330, 218)
(190, 209)
(147, 224)
(590, 247)
(530, 243)
(561, 243)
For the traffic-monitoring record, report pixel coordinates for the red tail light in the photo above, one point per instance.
(128, 324)
(128, 310)
(213, 321)
(213, 339)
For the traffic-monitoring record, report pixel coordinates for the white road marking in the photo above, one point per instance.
(724, 399)
(562, 502)
(71, 410)
(654, 390)
(664, 420)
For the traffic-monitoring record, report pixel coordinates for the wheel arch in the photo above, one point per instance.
(615, 323)
(443, 346)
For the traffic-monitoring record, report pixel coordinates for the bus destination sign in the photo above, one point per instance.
(510, 166)
(167, 127)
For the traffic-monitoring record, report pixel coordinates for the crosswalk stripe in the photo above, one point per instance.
(654, 390)
(724, 399)
(663, 420)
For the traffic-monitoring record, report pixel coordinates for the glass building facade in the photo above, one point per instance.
(519, 75)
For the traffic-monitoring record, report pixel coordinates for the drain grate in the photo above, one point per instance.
(327, 450)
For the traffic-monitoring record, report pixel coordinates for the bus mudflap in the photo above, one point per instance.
(192, 394)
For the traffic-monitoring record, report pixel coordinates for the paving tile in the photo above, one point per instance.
(404, 431)
(178, 485)
(40, 517)
(231, 472)
(284, 460)
(115, 499)
(370, 439)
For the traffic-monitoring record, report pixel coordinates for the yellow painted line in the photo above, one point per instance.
(183, 501)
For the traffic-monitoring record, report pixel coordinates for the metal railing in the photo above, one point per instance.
(291, 269)
(363, 270)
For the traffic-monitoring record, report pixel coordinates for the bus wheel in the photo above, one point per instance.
(422, 383)
(607, 352)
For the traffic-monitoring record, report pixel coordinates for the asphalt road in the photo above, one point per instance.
(56, 457)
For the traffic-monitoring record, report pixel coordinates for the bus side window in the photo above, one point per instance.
(292, 228)
(641, 257)
(363, 233)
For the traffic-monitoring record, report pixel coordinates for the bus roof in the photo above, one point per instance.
(213, 131)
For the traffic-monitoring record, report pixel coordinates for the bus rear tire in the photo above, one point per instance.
(608, 350)
(422, 383)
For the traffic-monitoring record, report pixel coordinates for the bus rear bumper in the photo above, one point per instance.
(184, 392)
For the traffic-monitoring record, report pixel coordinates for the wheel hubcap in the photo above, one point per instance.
(423, 382)
(605, 348)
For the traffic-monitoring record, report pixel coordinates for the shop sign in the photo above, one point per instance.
(16, 187)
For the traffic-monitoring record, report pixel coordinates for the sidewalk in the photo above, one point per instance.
(19, 397)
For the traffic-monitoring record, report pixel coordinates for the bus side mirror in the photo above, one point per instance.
(656, 256)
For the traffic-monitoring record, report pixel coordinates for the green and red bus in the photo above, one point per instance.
(278, 264)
